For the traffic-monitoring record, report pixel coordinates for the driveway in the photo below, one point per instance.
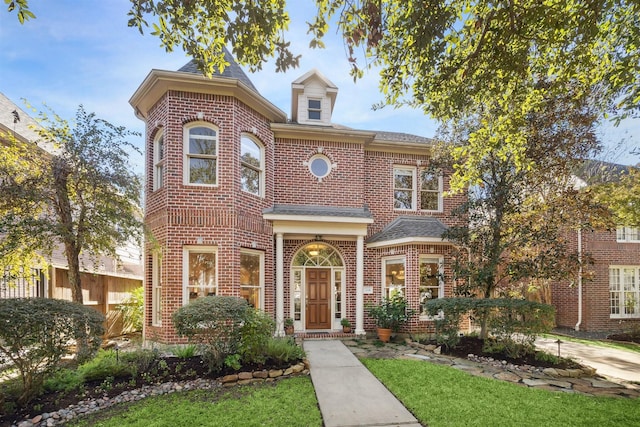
(608, 362)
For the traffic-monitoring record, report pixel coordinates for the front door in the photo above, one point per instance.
(318, 312)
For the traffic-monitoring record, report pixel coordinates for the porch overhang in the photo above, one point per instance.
(328, 221)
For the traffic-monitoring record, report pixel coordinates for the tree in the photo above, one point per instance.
(622, 195)
(445, 57)
(516, 219)
(83, 196)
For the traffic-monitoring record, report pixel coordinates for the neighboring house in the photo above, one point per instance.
(104, 285)
(302, 217)
(607, 298)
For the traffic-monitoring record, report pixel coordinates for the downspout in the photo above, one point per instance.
(577, 327)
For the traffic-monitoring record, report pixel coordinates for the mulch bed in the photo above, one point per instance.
(176, 369)
(473, 345)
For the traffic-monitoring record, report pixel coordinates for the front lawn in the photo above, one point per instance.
(287, 402)
(441, 396)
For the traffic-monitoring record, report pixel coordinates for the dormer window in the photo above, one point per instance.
(315, 109)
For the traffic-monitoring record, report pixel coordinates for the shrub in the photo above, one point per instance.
(105, 365)
(185, 351)
(283, 350)
(392, 313)
(214, 324)
(132, 309)
(35, 333)
(255, 333)
(63, 380)
(514, 323)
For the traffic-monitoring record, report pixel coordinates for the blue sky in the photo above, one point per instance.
(82, 52)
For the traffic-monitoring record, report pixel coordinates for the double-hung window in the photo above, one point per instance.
(393, 276)
(431, 283)
(201, 155)
(624, 291)
(430, 190)
(158, 161)
(314, 109)
(628, 234)
(404, 187)
(200, 276)
(252, 277)
(251, 165)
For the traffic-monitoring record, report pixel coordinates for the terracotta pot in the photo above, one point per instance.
(346, 329)
(384, 335)
(288, 330)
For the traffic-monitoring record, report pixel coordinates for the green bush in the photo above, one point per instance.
(132, 310)
(513, 323)
(255, 333)
(185, 351)
(35, 333)
(214, 324)
(392, 313)
(105, 365)
(63, 380)
(283, 350)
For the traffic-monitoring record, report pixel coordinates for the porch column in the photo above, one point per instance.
(279, 284)
(360, 286)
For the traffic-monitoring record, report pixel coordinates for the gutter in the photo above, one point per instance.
(577, 327)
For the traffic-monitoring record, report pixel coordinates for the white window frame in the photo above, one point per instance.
(385, 286)
(260, 285)
(156, 290)
(628, 234)
(186, 250)
(187, 155)
(439, 190)
(439, 259)
(622, 294)
(315, 110)
(259, 168)
(406, 170)
(159, 156)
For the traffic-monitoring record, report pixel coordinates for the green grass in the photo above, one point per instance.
(288, 402)
(619, 345)
(441, 396)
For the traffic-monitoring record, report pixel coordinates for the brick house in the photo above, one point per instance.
(304, 218)
(606, 296)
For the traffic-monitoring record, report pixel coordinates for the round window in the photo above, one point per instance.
(320, 166)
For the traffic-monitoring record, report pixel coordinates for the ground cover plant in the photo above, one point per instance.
(441, 396)
(287, 402)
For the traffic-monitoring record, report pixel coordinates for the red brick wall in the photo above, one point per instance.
(230, 219)
(605, 251)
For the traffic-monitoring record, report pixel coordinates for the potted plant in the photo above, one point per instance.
(346, 325)
(390, 315)
(288, 326)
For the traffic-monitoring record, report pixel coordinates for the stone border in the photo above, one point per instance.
(584, 371)
(90, 406)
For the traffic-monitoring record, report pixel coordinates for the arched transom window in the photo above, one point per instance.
(317, 255)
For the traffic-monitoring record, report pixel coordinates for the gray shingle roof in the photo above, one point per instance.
(314, 210)
(233, 71)
(401, 137)
(410, 226)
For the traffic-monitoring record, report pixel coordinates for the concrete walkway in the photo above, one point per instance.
(348, 394)
(608, 362)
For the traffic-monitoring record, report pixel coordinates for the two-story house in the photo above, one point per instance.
(304, 218)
